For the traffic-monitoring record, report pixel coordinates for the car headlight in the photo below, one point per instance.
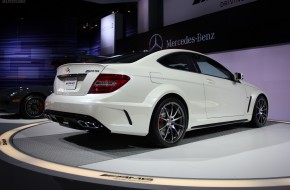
(13, 94)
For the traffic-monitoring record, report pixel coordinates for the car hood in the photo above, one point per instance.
(26, 89)
(8, 90)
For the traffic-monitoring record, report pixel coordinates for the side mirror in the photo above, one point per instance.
(239, 76)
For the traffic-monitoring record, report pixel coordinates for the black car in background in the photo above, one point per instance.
(26, 101)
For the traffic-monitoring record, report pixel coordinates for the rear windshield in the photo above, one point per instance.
(127, 58)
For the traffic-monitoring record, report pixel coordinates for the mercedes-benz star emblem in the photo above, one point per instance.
(156, 42)
(67, 70)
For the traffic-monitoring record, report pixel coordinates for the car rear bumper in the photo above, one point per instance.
(75, 121)
(87, 112)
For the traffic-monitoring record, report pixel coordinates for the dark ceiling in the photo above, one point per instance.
(82, 10)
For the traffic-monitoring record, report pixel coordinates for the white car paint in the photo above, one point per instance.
(209, 99)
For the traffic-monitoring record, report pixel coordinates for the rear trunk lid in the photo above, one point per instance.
(75, 79)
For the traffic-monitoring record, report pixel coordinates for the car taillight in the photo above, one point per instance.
(106, 83)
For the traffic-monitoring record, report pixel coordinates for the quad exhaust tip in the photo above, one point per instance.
(87, 124)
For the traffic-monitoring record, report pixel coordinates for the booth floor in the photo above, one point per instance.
(258, 157)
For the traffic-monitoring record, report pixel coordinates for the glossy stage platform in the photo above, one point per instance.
(224, 157)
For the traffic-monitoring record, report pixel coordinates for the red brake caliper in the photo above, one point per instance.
(41, 106)
(160, 122)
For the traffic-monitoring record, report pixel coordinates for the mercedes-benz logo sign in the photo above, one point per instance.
(156, 42)
(67, 70)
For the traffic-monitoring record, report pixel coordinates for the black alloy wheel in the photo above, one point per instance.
(168, 123)
(32, 107)
(260, 112)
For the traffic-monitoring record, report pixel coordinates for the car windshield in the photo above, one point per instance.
(127, 58)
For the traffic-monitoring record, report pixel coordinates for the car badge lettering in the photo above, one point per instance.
(67, 70)
(92, 71)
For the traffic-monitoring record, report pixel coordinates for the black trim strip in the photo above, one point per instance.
(71, 75)
(249, 104)
(128, 117)
(218, 124)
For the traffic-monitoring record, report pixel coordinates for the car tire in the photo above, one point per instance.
(168, 123)
(260, 112)
(32, 107)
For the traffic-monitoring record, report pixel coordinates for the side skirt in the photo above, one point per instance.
(219, 124)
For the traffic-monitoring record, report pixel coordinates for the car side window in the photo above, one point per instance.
(179, 61)
(210, 67)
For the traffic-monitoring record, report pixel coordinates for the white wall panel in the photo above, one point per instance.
(143, 16)
(267, 68)
(111, 30)
(180, 10)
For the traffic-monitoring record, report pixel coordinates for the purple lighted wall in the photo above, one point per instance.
(143, 16)
(28, 45)
(267, 68)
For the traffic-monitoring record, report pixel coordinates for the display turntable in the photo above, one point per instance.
(223, 157)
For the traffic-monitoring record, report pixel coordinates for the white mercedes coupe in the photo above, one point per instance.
(158, 94)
